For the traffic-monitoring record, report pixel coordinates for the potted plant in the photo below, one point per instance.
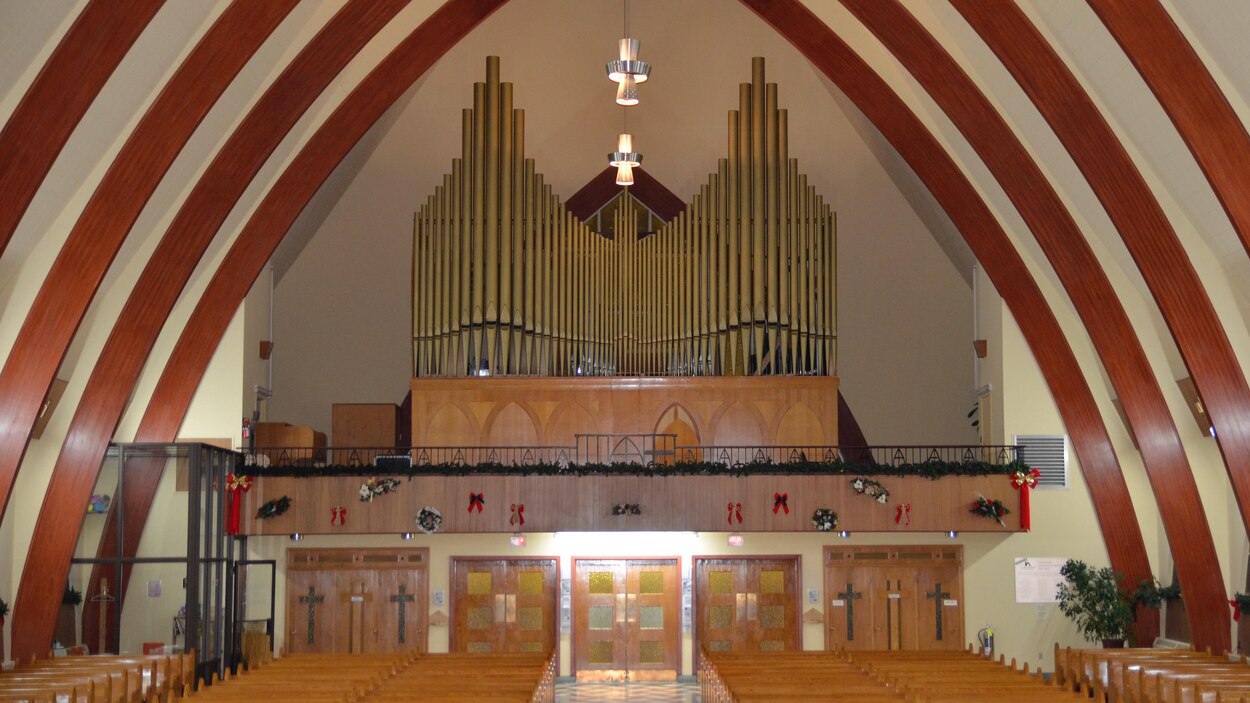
(67, 619)
(1093, 599)
(4, 612)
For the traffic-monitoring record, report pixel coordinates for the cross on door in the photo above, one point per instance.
(938, 595)
(403, 598)
(850, 596)
(313, 600)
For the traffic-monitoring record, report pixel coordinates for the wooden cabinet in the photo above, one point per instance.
(897, 598)
(357, 601)
(287, 444)
(626, 624)
(746, 604)
(504, 605)
(364, 430)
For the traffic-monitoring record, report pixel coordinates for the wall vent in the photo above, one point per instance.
(1049, 455)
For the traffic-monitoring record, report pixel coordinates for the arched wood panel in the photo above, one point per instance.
(92, 244)
(992, 248)
(1086, 135)
(1190, 96)
(53, 105)
(97, 235)
(1081, 274)
(171, 265)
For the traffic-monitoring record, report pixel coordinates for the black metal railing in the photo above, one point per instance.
(630, 449)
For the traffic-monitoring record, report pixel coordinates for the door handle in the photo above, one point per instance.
(620, 608)
(631, 601)
(500, 607)
(752, 607)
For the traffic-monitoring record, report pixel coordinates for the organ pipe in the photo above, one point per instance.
(507, 281)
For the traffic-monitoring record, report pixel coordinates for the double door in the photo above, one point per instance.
(894, 598)
(746, 604)
(626, 619)
(503, 605)
(345, 601)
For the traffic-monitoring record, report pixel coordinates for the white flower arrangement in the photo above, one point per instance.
(871, 488)
(825, 520)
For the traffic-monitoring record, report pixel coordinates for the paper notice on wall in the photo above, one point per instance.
(1038, 579)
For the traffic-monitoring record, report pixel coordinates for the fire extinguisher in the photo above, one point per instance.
(247, 433)
(986, 636)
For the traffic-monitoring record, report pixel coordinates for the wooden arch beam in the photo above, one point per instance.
(298, 183)
(1003, 264)
(1078, 269)
(1096, 150)
(66, 86)
(99, 232)
(166, 274)
(1190, 96)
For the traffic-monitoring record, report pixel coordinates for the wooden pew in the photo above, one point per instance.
(97, 679)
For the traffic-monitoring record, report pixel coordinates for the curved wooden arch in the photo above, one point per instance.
(1087, 286)
(1085, 134)
(255, 244)
(153, 297)
(66, 86)
(100, 230)
(1003, 264)
(1190, 96)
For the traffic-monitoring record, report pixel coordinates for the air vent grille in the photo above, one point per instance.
(1049, 455)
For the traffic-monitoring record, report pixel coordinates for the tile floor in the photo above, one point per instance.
(629, 692)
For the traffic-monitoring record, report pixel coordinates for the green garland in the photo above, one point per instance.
(274, 508)
(932, 470)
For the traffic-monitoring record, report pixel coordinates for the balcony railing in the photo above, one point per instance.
(636, 450)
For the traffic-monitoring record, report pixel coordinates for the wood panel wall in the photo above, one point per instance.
(495, 411)
(677, 503)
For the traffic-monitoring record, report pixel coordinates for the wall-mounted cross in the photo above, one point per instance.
(403, 598)
(313, 600)
(850, 596)
(938, 595)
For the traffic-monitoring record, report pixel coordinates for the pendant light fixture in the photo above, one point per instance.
(625, 159)
(628, 71)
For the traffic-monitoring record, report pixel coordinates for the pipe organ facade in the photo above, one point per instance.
(506, 281)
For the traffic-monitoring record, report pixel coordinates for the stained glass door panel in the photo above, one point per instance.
(625, 619)
(504, 605)
(747, 604)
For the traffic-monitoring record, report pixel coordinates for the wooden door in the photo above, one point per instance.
(356, 601)
(504, 605)
(626, 624)
(309, 612)
(747, 604)
(898, 598)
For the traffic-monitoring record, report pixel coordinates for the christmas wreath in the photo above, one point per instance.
(986, 507)
(870, 488)
(429, 520)
(626, 509)
(825, 520)
(374, 487)
(274, 508)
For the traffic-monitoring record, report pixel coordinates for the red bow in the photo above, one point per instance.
(735, 508)
(236, 485)
(518, 514)
(338, 514)
(1024, 481)
(476, 501)
(781, 501)
(1236, 610)
(903, 510)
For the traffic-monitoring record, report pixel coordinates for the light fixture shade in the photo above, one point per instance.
(628, 64)
(624, 175)
(624, 154)
(627, 92)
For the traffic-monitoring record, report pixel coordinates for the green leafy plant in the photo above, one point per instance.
(4, 610)
(1092, 598)
(72, 596)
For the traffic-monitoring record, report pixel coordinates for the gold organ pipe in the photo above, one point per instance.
(743, 280)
